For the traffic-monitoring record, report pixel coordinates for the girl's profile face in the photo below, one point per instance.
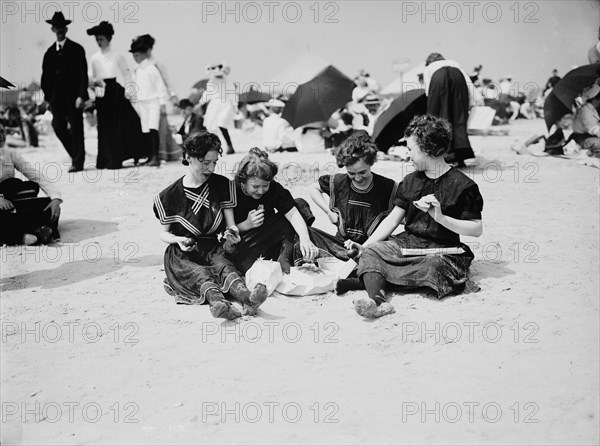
(203, 168)
(417, 156)
(360, 173)
(255, 187)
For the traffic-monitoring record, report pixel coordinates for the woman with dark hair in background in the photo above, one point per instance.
(119, 129)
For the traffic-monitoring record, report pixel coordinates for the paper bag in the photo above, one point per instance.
(336, 266)
(266, 272)
(302, 281)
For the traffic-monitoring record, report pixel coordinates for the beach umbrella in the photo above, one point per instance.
(390, 125)
(253, 96)
(561, 98)
(200, 85)
(317, 99)
(5, 84)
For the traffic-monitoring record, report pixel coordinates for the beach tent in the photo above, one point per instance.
(410, 79)
(300, 71)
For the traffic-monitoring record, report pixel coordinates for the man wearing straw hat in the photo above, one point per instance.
(65, 83)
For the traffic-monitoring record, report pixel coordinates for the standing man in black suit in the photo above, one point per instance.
(65, 83)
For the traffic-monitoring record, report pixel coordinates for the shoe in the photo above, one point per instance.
(230, 150)
(75, 169)
(225, 310)
(153, 162)
(257, 298)
(29, 239)
(367, 308)
(43, 234)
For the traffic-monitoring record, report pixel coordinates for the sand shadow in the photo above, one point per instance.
(74, 272)
(74, 231)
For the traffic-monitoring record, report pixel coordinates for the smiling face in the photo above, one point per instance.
(255, 187)
(360, 173)
(201, 169)
(417, 156)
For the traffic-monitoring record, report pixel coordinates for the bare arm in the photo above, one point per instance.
(316, 194)
(309, 250)
(473, 228)
(387, 226)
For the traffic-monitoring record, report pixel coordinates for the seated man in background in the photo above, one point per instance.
(586, 123)
(192, 122)
(278, 134)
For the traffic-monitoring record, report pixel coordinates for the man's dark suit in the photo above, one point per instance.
(196, 124)
(64, 79)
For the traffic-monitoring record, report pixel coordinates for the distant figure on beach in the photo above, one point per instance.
(222, 99)
(448, 96)
(586, 123)
(278, 134)
(24, 218)
(119, 129)
(440, 204)
(65, 84)
(192, 122)
(168, 149)
(553, 80)
(149, 100)
(192, 211)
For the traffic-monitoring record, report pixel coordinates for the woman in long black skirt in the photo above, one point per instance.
(119, 129)
(440, 204)
(192, 211)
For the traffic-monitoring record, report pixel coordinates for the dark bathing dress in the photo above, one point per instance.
(446, 274)
(266, 240)
(359, 211)
(197, 213)
(449, 98)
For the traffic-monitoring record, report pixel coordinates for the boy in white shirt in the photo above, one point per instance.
(149, 97)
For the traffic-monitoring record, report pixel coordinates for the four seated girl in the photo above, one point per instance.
(438, 203)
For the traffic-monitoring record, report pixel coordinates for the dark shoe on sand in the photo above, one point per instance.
(257, 298)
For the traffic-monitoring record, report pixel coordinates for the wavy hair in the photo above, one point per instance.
(432, 134)
(256, 164)
(356, 147)
(198, 144)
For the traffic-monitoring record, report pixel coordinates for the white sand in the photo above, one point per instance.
(168, 374)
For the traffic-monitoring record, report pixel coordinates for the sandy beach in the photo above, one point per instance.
(95, 352)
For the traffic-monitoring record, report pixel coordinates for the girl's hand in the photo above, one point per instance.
(6, 205)
(232, 235)
(355, 250)
(424, 204)
(186, 244)
(435, 210)
(309, 250)
(333, 217)
(255, 218)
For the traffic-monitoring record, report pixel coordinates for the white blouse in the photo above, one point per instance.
(106, 64)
